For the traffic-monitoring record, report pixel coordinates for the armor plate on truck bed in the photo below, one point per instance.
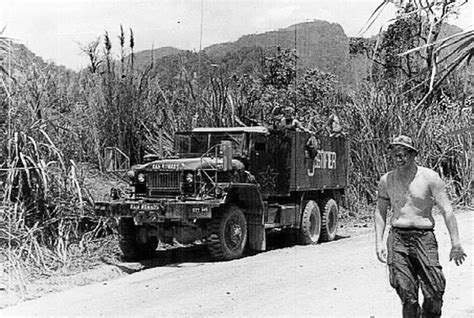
(285, 161)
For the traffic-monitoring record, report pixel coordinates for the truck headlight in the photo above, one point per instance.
(141, 177)
(131, 174)
(189, 178)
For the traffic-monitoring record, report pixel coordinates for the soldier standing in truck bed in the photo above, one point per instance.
(287, 119)
(411, 191)
(334, 126)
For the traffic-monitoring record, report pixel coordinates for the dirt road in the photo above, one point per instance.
(341, 278)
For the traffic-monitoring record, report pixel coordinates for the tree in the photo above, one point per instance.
(91, 50)
(442, 56)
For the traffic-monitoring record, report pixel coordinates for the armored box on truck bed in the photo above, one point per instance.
(284, 161)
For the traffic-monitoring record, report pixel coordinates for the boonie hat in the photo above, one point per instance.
(404, 141)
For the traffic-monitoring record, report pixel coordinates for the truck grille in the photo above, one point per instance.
(164, 180)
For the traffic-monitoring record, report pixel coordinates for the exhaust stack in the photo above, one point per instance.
(226, 148)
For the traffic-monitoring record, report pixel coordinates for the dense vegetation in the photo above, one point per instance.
(53, 120)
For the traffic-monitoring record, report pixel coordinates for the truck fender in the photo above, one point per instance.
(248, 197)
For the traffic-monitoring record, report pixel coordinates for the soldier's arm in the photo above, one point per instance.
(380, 219)
(440, 196)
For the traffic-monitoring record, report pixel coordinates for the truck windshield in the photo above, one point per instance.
(196, 144)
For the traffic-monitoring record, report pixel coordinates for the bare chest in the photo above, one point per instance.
(415, 192)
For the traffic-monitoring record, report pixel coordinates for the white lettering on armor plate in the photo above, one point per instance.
(323, 160)
(145, 206)
(167, 166)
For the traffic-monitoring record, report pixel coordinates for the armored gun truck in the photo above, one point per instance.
(228, 186)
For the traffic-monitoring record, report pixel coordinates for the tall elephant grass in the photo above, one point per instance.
(42, 204)
(47, 224)
(376, 116)
(45, 214)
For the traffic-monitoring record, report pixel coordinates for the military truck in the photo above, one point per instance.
(228, 186)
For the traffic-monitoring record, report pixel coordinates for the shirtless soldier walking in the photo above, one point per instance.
(412, 250)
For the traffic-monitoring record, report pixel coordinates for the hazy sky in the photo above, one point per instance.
(53, 29)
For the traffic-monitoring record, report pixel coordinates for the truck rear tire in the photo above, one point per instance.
(310, 229)
(329, 217)
(228, 234)
(132, 246)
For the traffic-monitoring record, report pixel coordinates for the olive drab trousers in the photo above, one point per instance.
(413, 263)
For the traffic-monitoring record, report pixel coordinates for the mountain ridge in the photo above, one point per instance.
(318, 44)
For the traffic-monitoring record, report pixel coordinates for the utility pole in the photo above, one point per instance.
(9, 115)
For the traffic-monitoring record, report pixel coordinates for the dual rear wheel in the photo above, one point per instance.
(318, 224)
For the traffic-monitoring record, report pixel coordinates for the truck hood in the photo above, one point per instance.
(187, 164)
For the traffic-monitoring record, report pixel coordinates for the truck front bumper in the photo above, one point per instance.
(163, 210)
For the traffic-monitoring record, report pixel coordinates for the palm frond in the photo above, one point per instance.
(442, 42)
(458, 61)
(373, 17)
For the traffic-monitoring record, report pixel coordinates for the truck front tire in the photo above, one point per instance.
(133, 246)
(310, 229)
(228, 234)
